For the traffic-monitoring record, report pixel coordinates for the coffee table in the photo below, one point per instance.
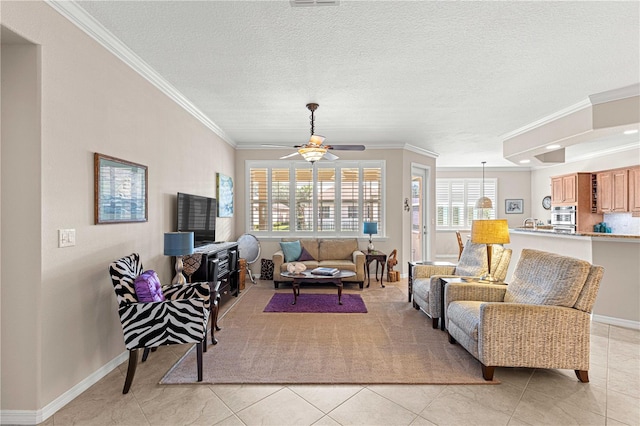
(307, 277)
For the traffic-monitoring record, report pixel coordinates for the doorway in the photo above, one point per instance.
(420, 247)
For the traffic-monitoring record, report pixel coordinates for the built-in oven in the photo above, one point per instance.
(563, 219)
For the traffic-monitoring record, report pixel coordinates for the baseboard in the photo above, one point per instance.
(635, 325)
(28, 417)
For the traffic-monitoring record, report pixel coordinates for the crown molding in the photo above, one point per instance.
(418, 150)
(615, 94)
(548, 119)
(80, 18)
(597, 154)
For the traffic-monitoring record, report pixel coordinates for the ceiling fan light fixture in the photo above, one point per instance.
(316, 140)
(312, 153)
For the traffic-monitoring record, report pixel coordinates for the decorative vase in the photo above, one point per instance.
(299, 268)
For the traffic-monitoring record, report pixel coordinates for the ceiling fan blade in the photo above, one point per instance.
(346, 147)
(290, 155)
(329, 156)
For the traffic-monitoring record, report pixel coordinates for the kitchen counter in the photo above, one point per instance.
(551, 232)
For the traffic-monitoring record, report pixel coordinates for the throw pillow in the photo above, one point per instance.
(291, 250)
(305, 255)
(148, 288)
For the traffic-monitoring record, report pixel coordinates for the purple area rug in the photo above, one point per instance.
(316, 303)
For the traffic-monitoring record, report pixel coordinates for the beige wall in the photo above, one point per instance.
(397, 187)
(90, 102)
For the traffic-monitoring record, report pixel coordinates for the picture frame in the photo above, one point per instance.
(224, 193)
(514, 206)
(120, 190)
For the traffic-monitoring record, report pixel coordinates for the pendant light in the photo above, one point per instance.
(483, 202)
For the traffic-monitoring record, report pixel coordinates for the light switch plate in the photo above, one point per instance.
(66, 237)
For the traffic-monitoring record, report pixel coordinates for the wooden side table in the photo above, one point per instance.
(379, 257)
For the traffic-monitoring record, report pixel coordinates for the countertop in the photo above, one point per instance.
(551, 232)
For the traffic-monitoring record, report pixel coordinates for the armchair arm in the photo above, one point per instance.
(359, 259)
(474, 291)
(426, 271)
(160, 323)
(200, 290)
(539, 336)
(278, 260)
(435, 294)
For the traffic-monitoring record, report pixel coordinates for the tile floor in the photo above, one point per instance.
(525, 397)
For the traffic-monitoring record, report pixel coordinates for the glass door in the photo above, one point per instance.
(419, 213)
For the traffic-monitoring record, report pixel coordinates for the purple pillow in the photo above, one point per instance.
(148, 288)
(305, 255)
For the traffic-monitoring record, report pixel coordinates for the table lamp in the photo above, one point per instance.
(370, 228)
(178, 244)
(490, 232)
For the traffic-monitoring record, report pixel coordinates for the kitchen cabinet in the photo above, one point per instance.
(634, 191)
(613, 191)
(564, 189)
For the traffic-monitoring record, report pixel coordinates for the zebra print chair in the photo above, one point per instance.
(181, 318)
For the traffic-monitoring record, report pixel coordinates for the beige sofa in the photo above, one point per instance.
(342, 254)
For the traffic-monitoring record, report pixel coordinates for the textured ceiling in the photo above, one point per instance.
(447, 77)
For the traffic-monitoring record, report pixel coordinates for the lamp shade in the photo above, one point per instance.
(370, 228)
(484, 203)
(490, 231)
(178, 243)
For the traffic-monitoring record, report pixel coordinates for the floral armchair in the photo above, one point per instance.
(181, 318)
(540, 320)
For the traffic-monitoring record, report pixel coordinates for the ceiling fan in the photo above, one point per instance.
(315, 150)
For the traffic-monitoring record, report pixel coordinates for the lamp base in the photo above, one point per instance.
(370, 247)
(489, 278)
(179, 279)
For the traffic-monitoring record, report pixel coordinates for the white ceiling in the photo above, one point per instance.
(446, 77)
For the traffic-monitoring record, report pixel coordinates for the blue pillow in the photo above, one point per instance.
(148, 288)
(291, 250)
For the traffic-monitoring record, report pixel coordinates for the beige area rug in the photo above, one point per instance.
(391, 344)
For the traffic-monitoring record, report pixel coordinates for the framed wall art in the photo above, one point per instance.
(224, 191)
(513, 206)
(120, 190)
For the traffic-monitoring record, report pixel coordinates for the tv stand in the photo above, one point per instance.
(226, 254)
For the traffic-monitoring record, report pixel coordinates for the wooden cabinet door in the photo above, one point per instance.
(556, 190)
(569, 189)
(605, 188)
(620, 191)
(634, 190)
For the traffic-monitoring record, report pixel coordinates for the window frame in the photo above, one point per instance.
(337, 165)
(468, 201)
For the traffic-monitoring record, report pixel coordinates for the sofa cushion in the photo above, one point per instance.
(337, 249)
(466, 315)
(291, 250)
(311, 244)
(421, 287)
(542, 278)
(343, 265)
(305, 255)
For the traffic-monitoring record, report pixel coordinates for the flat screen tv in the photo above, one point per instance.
(197, 214)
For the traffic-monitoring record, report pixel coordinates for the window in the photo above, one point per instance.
(456, 199)
(328, 199)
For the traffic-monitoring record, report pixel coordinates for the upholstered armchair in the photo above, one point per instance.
(426, 289)
(181, 318)
(540, 320)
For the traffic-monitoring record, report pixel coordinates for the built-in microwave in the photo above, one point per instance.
(563, 218)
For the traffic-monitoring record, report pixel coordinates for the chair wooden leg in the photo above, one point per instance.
(582, 375)
(199, 359)
(434, 322)
(131, 371)
(415, 305)
(487, 372)
(451, 339)
(145, 354)
(214, 320)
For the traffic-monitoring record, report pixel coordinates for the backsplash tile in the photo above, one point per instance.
(623, 223)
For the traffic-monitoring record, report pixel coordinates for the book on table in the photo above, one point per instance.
(325, 271)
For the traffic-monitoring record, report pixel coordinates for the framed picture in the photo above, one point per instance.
(120, 190)
(224, 191)
(513, 206)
